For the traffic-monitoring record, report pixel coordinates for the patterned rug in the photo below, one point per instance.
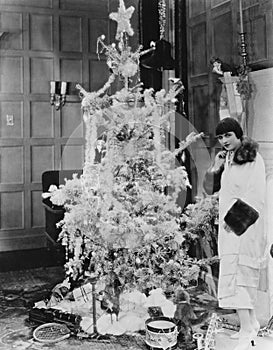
(18, 292)
(20, 289)
(27, 279)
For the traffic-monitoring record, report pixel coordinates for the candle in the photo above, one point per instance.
(63, 87)
(241, 17)
(52, 87)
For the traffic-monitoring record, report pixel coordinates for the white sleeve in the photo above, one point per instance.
(255, 189)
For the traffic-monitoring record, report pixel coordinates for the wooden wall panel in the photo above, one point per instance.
(250, 3)
(223, 47)
(71, 121)
(99, 74)
(113, 5)
(15, 109)
(71, 69)
(37, 220)
(11, 165)
(13, 22)
(201, 108)
(41, 72)
(11, 219)
(41, 33)
(11, 77)
(72, 157)
(41, 120)
(261, 106)
(70, 34)
(26, 3)
(196, 7)
(97, 27)
(97, 8)
(42, 158)
(215, 3)
(198, 59)
(22, 242)
(47, 40)
(112, 32)
(257, 43)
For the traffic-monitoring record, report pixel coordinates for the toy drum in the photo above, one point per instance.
(161, 333)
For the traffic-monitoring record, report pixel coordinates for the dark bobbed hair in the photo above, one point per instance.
(227, 125)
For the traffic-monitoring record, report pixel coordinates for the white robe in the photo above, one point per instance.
(242, 258)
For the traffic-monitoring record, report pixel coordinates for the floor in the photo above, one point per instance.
(18, 292)
(28, 259)
(223, 342)
(27, 282)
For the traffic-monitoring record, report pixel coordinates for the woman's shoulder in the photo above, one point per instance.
(259, 160)
(247, 152)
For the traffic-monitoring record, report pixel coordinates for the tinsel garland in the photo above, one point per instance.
(156, 137)
(162, 17)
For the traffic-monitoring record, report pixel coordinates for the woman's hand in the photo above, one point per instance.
(227, 228)
(219, 160)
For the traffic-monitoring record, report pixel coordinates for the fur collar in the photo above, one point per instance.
(246, 152)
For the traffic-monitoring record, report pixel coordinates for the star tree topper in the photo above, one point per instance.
(122, 17)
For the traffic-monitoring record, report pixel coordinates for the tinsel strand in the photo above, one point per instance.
(162, 17)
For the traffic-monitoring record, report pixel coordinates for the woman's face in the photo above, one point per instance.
(229, 141)
(217, 68)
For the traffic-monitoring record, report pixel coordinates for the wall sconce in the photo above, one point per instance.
(58, 92)
(3, 33)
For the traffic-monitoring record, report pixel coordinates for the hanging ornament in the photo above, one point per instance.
(161, 58)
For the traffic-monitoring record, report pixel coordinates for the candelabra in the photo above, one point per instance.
(58, 92)
(243, 52)
(243, 45)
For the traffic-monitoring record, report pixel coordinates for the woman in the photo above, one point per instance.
(241, 241)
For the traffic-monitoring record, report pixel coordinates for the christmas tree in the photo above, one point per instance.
(122, 214)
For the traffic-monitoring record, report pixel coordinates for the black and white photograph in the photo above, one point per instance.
(136, 174)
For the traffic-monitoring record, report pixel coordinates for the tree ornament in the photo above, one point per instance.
(122, 17)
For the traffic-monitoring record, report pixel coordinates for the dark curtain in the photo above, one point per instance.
(149, 31)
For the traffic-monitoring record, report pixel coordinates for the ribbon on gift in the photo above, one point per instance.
(83, 293)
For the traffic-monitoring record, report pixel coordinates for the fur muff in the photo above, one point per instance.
(246, 152)
(240, 216)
